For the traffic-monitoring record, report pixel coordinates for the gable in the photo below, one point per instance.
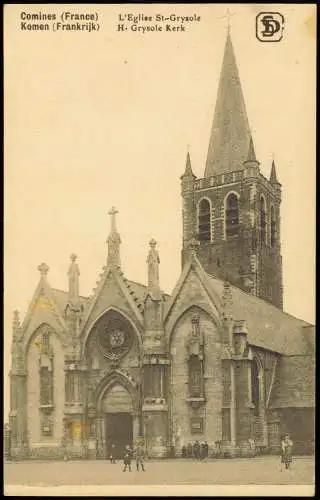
(114, 292)
(191, 292)
(43, 309)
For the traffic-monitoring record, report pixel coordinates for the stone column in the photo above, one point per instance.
(233, 407)
(262, 411)
(162, 381)
(136, 426)
(18, 417)
(99, 423)
(103, 436)
(243, 401)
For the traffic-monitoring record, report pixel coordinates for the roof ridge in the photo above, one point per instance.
(137, 283)
(146, 287)
(66, 292)
(132, 292)
(263, 301)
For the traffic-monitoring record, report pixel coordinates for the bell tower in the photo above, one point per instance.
(234, 211)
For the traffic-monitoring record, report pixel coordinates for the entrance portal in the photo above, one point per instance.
(119, 431)
(118, 410)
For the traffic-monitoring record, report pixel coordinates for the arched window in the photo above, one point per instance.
(263, 219)
(232, 215)
(273, 228)
(46, 370)
(45, 342)
(255, 387)
(46, 386)
(204, 220)
(195, 376)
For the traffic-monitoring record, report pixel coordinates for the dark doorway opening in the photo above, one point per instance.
(119, 431)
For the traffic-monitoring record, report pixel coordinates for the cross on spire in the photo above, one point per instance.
(113, 241)
(43, 268)
(73, 275)
(227, 16)
(113, 212)
(153, 261)
(73, 257)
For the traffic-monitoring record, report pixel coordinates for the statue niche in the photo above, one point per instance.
(195, 342)
(195, 363)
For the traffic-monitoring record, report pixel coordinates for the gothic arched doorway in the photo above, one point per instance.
(118, 419)
(118, 422)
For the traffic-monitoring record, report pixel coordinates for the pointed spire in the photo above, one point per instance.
(251, 159)
(273, 174)
(230, 134)
(17, 360)
(188, 170)
(73, 274)
(43, 268)
(251, 153)
(153, 261)
(113, 241)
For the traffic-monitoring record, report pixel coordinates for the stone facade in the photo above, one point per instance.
(178, 369)
(217, 361)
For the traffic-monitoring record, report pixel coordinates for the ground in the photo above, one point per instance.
(261, 470)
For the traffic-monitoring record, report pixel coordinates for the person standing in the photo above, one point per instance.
(113, 454)
(127, 458)
(189, 450)
(140, 458)
(286, 451)
(206, 450)
(252, 447)
(196, 450)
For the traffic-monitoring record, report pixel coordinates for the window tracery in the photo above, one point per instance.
(262, 220)
(273, 228)
(204, 220)
(232, 215)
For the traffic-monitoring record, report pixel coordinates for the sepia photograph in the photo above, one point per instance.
(159, 249)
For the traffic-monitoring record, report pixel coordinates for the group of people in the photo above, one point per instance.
(138, 454)
(195, 450)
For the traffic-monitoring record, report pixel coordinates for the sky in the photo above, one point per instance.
(102, 119)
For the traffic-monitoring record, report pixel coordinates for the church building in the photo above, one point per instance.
(218, 360)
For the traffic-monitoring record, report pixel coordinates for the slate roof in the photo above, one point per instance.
(295, 383)
(141, 290)
(61, 296)
(268, 326)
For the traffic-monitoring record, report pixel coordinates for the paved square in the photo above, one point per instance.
(257, 471)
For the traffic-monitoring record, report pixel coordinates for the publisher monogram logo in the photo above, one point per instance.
(269, 26)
